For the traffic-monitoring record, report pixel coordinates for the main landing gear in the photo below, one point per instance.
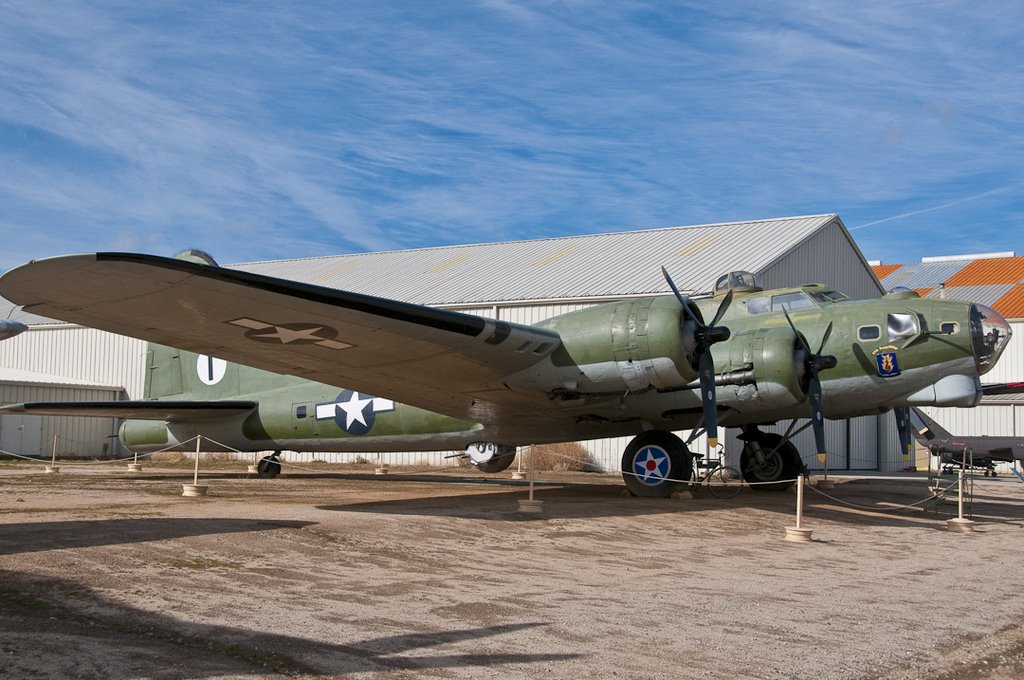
(269, 466)
(657, 463)
(769, 462)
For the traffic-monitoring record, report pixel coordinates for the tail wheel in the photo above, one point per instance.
(656, 464)
(780, 463)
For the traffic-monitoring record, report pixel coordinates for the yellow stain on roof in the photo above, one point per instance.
(448, 264)
(556, 256)
(699, 245)
(334, 273)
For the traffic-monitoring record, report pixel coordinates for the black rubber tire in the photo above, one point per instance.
(268, 468)
(784, 464)
(656, 464)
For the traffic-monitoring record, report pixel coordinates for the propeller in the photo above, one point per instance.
(903, 426)
(814, 363)
(705, 335)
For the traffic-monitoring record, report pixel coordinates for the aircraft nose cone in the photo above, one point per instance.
(990, 333)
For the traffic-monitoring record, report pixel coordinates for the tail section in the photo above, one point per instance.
(176, 374)
(926, 430)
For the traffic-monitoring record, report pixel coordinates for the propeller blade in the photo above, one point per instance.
(683, 300)
(824, 338)
(726, 301)
(903, 426)
(817, 417)
(706, 371)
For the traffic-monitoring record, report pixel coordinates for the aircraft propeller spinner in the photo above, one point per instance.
(705, 335)
(815, 362)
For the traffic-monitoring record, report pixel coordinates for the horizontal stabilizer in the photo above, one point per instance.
(140, 410)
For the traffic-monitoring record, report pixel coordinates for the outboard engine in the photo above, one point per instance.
(489, 457)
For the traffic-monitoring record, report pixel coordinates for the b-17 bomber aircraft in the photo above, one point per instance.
(332, 370)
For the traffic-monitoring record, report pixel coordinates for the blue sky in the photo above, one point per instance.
(260, 130)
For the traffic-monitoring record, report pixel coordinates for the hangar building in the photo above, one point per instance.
(993, 279)
(522, 282)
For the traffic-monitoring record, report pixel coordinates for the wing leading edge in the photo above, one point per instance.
(440, 360)
(169, 410)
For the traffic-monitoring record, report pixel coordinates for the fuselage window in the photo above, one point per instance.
(950, 328)
(901, 326)
(300, 411)
(757, 305)
(869, 332)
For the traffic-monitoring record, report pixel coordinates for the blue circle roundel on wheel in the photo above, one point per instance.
(651, 465)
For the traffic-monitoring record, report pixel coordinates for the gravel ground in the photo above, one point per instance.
(344, 574)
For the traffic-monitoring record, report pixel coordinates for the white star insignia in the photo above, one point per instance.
(353, 409)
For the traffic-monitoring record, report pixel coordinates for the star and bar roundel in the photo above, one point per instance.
(651, 465)
(290, 333)
(354, 412)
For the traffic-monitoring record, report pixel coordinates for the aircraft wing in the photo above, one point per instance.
(440, 360)
(142, 410)
(1003, 388)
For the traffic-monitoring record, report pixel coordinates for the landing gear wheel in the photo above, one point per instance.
(781, 462)
(656, 464)
(269, 467)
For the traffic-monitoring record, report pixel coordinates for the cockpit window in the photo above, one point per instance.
(901, 326)
(790, 301)
(828, 296)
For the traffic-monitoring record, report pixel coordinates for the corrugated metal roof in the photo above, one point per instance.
(1011, 305)
(883, 270)
(922, 274)
(985, 295)
(621, 263)
(990, 271)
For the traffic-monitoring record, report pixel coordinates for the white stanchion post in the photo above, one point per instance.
(799, 534)
(52, 467)
(531, 505)
(960, 524)
(195, 488)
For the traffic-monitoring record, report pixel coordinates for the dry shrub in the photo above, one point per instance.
(564, 457)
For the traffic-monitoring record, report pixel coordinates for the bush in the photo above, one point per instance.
(564, 457)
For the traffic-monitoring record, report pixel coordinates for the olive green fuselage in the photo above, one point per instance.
(621, 368)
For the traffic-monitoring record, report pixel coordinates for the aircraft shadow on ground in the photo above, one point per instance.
(40, 536)
(115, 634)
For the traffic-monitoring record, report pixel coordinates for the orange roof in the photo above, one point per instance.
(999, 270)
(1011, 305)
(883, 270)
(923, 291)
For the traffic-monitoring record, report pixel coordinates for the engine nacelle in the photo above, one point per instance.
(145, 435)
(626, 346)
(488, 457)
(777, 360)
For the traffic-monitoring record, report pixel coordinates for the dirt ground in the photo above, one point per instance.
(342, 574)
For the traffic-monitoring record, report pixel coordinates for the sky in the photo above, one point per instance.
(267, 130)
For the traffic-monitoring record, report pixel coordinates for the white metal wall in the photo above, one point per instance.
(76, 437)
(82, 354)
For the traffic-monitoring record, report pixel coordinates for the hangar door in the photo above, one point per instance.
(21, 434)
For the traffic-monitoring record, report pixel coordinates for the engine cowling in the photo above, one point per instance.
(626, 346)
(490, 457)
(777, 361)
